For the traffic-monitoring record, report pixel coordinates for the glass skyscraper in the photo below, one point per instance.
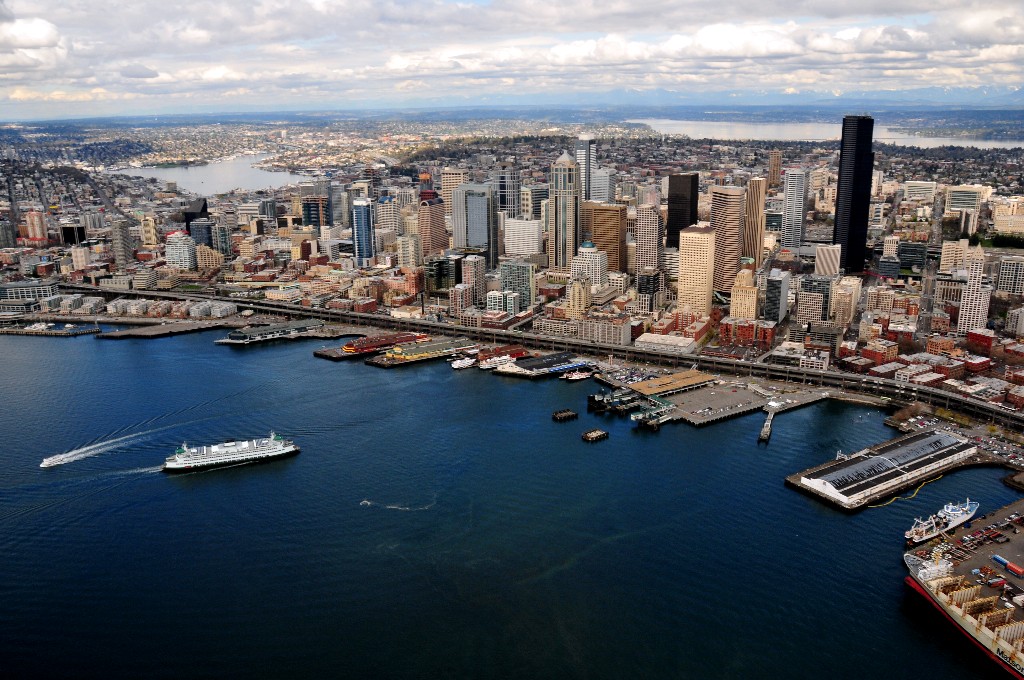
(853, 191)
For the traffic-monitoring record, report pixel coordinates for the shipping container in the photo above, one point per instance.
(1001, 560)
(1014, 569)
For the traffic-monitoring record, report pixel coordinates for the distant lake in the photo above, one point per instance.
(220, 178)
(792, 132)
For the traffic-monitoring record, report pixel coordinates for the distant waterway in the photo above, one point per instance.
(220, 177)
(738, 131)
(437, 523)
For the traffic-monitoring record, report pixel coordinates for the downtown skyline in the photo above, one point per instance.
(71, 60)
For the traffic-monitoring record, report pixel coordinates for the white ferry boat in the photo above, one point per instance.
(463, 363)
(948, 518)
(229, 453)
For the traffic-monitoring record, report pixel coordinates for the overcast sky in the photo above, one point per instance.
(61, 58)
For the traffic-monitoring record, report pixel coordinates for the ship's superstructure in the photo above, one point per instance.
(229, 453)
(948, 518)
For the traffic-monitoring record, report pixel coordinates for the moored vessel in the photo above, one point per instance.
(978, 607)
(379, 343)
(948, 518)
(465, 362)
(231, 452)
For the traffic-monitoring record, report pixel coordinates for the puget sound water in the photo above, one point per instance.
(741, 130)
(437, 524)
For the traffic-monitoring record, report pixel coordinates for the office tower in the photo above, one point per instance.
(754, 221)
(1011, 275)
(506, 181)
(451, 178)
(474, 270)
(696, 269)
(891, 245)
(530, 198)
(122, 246)
(432, 232)
(363, 238)
(577, 299)
(975, 298)
(315, 212)
(650, 288)
(195, 210)
(373, 178)
(648, 194)
(475, 220)
(267, 208)
(683, 192)
(341, 207)
(650, 238)
(727, 206)
(220, 238)
(35, 222)
(409, 250)
(815, 287)
(71, 234)
(960, 198)
(954, 255)
(386, 214)
(524, 236)
(877, 179)
(520, 277)
(826, 260)
(606, 224)
(202, 231)
(441, 273)
(743, 302)
(592, 264)
(180, 252)
(563, 212)
(776, 296)
(774, 167)
(794, 210)
(773, 221)
(586, 158)
(602, 185)
(460, 298)
(853, 191)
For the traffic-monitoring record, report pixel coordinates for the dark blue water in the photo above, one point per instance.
(436, 524)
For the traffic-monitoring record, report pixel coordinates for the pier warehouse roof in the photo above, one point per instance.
(870, 473)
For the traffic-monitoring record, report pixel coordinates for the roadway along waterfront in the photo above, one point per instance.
(897, 391)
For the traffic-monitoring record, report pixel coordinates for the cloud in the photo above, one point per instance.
(338, 52)
(138, 71)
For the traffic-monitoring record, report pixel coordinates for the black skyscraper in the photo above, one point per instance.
(853, 192)
(682, 205)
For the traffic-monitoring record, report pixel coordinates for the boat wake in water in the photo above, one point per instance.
(404, 508)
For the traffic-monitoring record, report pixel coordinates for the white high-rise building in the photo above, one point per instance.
(1011, 275)
(696, 269)
(602, 185)
(975, 298)
(180, 251)
(408, 247)
(591, 263)
(794, 209)
(954, 254)
(650, 238)
(524, 236)
(891, 246)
